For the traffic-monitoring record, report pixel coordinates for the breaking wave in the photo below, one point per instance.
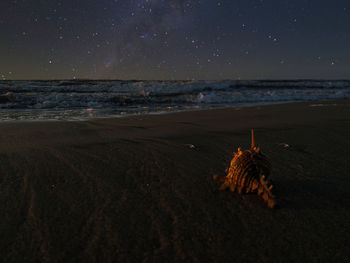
(84, 99)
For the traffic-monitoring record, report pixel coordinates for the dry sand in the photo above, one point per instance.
(135, 190)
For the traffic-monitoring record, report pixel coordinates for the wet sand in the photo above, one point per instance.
(136, 190)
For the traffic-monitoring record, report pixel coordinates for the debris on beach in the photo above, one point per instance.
(285, 145)
(248, 173)
(191, 146)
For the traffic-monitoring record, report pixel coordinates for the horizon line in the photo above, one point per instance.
(214, 80)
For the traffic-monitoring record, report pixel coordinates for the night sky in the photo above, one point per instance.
(174, 39)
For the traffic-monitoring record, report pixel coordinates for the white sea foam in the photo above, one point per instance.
(72, 100)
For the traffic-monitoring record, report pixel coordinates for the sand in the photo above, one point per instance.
(140, 189)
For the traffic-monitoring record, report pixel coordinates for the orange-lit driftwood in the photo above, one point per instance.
(248, 173)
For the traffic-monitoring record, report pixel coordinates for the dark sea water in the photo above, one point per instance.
(86, 99)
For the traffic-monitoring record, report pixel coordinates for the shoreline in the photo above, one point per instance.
(325, 102)
(141, 188)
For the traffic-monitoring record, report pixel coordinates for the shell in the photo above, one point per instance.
(248, 173)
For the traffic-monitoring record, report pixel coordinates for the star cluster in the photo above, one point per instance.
(174, 39)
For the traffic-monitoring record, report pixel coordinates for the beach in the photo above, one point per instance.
(141, 188)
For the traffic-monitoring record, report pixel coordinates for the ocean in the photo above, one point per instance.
(78, 100)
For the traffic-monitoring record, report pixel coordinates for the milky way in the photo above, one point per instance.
(174, 39)
(145, 30)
